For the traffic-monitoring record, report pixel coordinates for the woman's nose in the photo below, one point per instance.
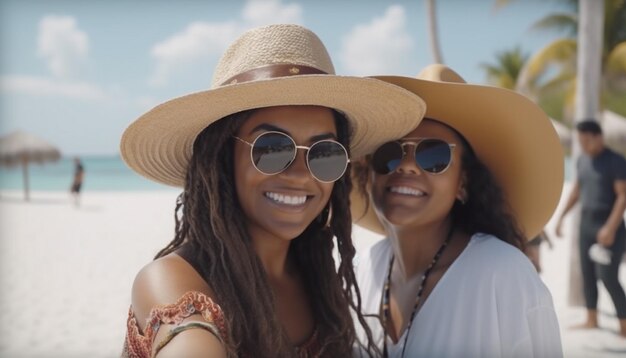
(408, 164)
(298, 169)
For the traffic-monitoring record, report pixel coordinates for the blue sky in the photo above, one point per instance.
(78, 72)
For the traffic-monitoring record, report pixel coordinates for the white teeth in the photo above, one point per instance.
(406, 191)
(286, 199)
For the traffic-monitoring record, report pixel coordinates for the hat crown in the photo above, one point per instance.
(440, 73)
(271, 45)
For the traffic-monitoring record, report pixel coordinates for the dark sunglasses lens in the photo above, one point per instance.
(433, 155)
(387, 158)
(273, 152)
(327, 160)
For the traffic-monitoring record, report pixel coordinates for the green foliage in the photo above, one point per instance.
(505, 71)
(567, 22)
(549, 75)
(616, 102)
(553, 104)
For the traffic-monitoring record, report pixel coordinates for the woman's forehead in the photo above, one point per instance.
(429, 128)
(294, 120)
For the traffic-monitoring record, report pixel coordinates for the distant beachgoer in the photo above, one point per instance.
(262, 157)
(457, 198)
(77, 182)
(601, 189)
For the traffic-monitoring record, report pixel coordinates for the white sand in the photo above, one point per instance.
(66, 274)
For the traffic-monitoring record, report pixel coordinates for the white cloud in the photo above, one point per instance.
(65, 48)
(264, 12)
(39, 86)
(379, 47)
(62, 44)
(200, 41)
(197, 42)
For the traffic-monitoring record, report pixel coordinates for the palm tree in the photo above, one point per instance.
(601, 76)
(507, 68)
(550, 74)
(505, 71)
(433, 33)
(587, 96)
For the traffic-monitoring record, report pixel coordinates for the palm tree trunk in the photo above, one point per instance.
(433, 33)
(590, 33)
(589, 71)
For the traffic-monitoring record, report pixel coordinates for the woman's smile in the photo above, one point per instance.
(406, 187)
(405, 190)
(289, 200)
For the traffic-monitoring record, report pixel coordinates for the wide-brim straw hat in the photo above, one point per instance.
(275, 65)
(509, 133)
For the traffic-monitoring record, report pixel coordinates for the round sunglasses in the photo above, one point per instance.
(433, 156)
(272, 152)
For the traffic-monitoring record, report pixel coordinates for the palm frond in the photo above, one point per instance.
(561, 82)
(614, 23)
(614, 101)
(559, 22)
(491, 70)
(560, 53)
(506, 69)
(614, 73)
(616, 60)
(572, 4)
(512, 61)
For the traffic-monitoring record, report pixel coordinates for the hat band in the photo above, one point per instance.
(273, 71)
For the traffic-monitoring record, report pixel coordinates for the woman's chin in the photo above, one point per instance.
(402, 217)
(288, 231)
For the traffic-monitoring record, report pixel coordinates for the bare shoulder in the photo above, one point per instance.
(163, 282)
(170, 282)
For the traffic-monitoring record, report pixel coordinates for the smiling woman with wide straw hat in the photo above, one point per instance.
(507, 132)
(252, 74)
(261, 157)
(457, 198)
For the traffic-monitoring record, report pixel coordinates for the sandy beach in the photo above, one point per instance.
(66, 274)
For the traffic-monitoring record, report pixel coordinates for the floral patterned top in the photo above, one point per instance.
(139, 345)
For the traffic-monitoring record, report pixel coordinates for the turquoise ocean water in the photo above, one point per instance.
(102, 173)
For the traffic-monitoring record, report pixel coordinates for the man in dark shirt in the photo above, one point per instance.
(601, 189)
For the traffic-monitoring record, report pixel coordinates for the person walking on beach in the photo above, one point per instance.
(261, 157)
(600, 187)
(77, 182)
(457, 198)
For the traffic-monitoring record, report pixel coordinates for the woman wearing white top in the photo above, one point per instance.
(457, 198)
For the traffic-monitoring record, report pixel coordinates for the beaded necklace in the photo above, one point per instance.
(386, 292)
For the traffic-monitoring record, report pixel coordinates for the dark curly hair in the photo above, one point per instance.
(486, 209)
(211, 234)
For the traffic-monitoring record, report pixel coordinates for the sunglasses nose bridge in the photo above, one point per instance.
(298, 167)
(302, 154)
(408, 163)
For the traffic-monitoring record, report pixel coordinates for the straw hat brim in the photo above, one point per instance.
(158, 145)
(510, 134)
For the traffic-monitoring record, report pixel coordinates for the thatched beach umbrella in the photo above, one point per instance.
(20, 148)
